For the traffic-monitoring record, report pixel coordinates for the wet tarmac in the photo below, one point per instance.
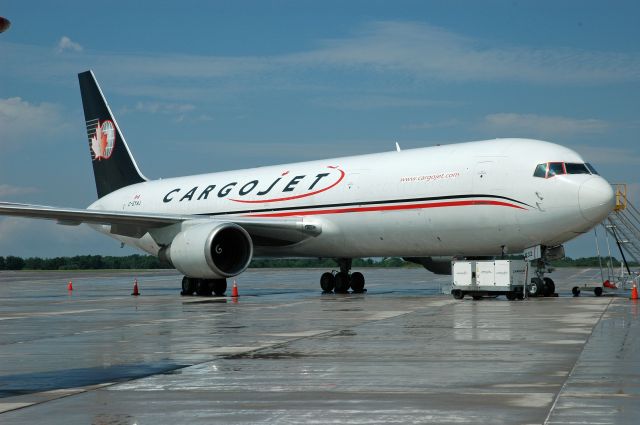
(285, 353)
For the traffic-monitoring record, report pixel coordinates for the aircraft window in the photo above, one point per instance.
(590, 167)
(555, 168)
(575, 168)
(541, 171)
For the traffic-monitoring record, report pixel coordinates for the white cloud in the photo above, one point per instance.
(417, 50)
(424, 52)
(541, 125)
(66, 44)
(180, 112)
(9, 190)
(27, 238)
(22, 121)
(408, 50)
(430, 125)
(164, 108)
(381, 102)
(608, 155)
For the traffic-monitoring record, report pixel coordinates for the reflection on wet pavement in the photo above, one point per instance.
(401, 353)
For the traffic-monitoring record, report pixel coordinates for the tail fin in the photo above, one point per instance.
(113, 164)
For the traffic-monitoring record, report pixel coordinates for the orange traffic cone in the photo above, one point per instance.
(135, 288)
(234, 290)
(634, 292)
(70, 286)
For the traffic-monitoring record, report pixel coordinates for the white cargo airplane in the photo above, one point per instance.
(473, 199)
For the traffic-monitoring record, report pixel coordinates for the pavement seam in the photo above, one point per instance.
(72, 392)
(275, 345)
(575, 364)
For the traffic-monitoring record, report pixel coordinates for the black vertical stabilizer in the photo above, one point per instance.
(113, 164)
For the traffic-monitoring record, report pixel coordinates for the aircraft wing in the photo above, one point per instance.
(263, 231)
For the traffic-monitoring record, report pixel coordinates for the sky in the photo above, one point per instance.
(210, 86)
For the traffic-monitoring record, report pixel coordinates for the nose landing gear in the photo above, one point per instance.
(541, 286)
(340, 282)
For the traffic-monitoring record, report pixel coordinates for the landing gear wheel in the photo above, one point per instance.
(342, 282)
(188, 286)
(598, 291)
(575, 291)
(457, 294)
(218, 286)
(535, 288)
(549, 287)
(357, 282)
(327, 282)
(202, 287)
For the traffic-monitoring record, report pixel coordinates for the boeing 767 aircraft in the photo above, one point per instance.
(473, 199)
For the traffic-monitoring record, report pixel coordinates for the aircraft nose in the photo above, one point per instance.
(596, 199)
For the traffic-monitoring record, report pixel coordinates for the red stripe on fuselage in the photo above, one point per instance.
(389, 208)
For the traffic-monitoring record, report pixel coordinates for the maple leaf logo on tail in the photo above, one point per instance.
(103, 140)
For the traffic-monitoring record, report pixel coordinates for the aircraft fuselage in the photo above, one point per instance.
(467, 199)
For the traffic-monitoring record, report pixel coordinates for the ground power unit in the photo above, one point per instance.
(489, 278)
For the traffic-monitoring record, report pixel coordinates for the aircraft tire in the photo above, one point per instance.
(218, 286)
(549, 287)
(202, 287)
(535, 288)
(575, 291)
(327, 282)
(598, 291)
(342, 283)
(357, 282)
(188, 286)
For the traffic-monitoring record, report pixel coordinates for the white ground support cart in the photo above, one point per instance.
(620, 284)
(489, 278)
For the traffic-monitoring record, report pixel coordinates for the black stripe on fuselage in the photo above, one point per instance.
(351, 204)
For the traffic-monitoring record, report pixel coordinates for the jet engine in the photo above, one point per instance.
(210, 251)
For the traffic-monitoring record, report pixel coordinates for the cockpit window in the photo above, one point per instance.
(593, 170)
(541, 171)
(555, 168)
(576, 168)
(550, 169)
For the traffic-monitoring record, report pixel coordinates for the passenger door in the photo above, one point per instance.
(488, 178)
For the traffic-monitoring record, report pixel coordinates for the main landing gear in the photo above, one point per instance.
(203, 287)
(340, 282)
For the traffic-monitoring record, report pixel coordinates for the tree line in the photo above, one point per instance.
(137, 261)
(82, 262)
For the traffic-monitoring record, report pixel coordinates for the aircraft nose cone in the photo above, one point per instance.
(596, 199)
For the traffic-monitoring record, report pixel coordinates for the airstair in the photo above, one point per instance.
(623, 224)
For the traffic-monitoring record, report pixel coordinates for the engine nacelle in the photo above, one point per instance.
(210, 251)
